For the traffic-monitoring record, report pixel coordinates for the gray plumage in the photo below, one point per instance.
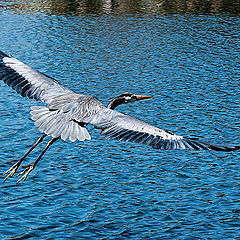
(68, 113)
(29, 82)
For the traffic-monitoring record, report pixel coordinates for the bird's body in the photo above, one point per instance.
(67, 114)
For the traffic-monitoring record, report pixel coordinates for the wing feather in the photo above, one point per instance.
(64, 134)
(119, 126)
(29, 82)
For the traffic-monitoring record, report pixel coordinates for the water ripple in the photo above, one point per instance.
(102, 189)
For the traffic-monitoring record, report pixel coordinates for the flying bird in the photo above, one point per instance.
(66, 115)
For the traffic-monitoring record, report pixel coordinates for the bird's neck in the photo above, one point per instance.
(115, 102)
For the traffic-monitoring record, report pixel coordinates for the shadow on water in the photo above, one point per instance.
(74, 7)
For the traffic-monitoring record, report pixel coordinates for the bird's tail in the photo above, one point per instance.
(56, 124)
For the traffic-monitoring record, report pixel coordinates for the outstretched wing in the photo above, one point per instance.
(29, 82)
(123, 127)
(54, 120)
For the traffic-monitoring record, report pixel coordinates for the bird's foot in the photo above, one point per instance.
(12, 170)
(25, 173)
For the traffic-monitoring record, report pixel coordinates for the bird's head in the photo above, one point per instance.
(126, 98)
(130, 97)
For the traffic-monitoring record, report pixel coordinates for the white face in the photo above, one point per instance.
(129, 99)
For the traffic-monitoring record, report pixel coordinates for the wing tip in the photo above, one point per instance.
(202, 145)
(2, 55)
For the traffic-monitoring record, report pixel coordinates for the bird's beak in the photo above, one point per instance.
(141, 97)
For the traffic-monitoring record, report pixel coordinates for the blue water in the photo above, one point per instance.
(102, 189)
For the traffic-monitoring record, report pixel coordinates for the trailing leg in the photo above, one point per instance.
(28, 169)
(15, 166)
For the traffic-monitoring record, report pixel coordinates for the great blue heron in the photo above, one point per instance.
(67, 114)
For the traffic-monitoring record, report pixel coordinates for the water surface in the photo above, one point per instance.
(102, 189)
